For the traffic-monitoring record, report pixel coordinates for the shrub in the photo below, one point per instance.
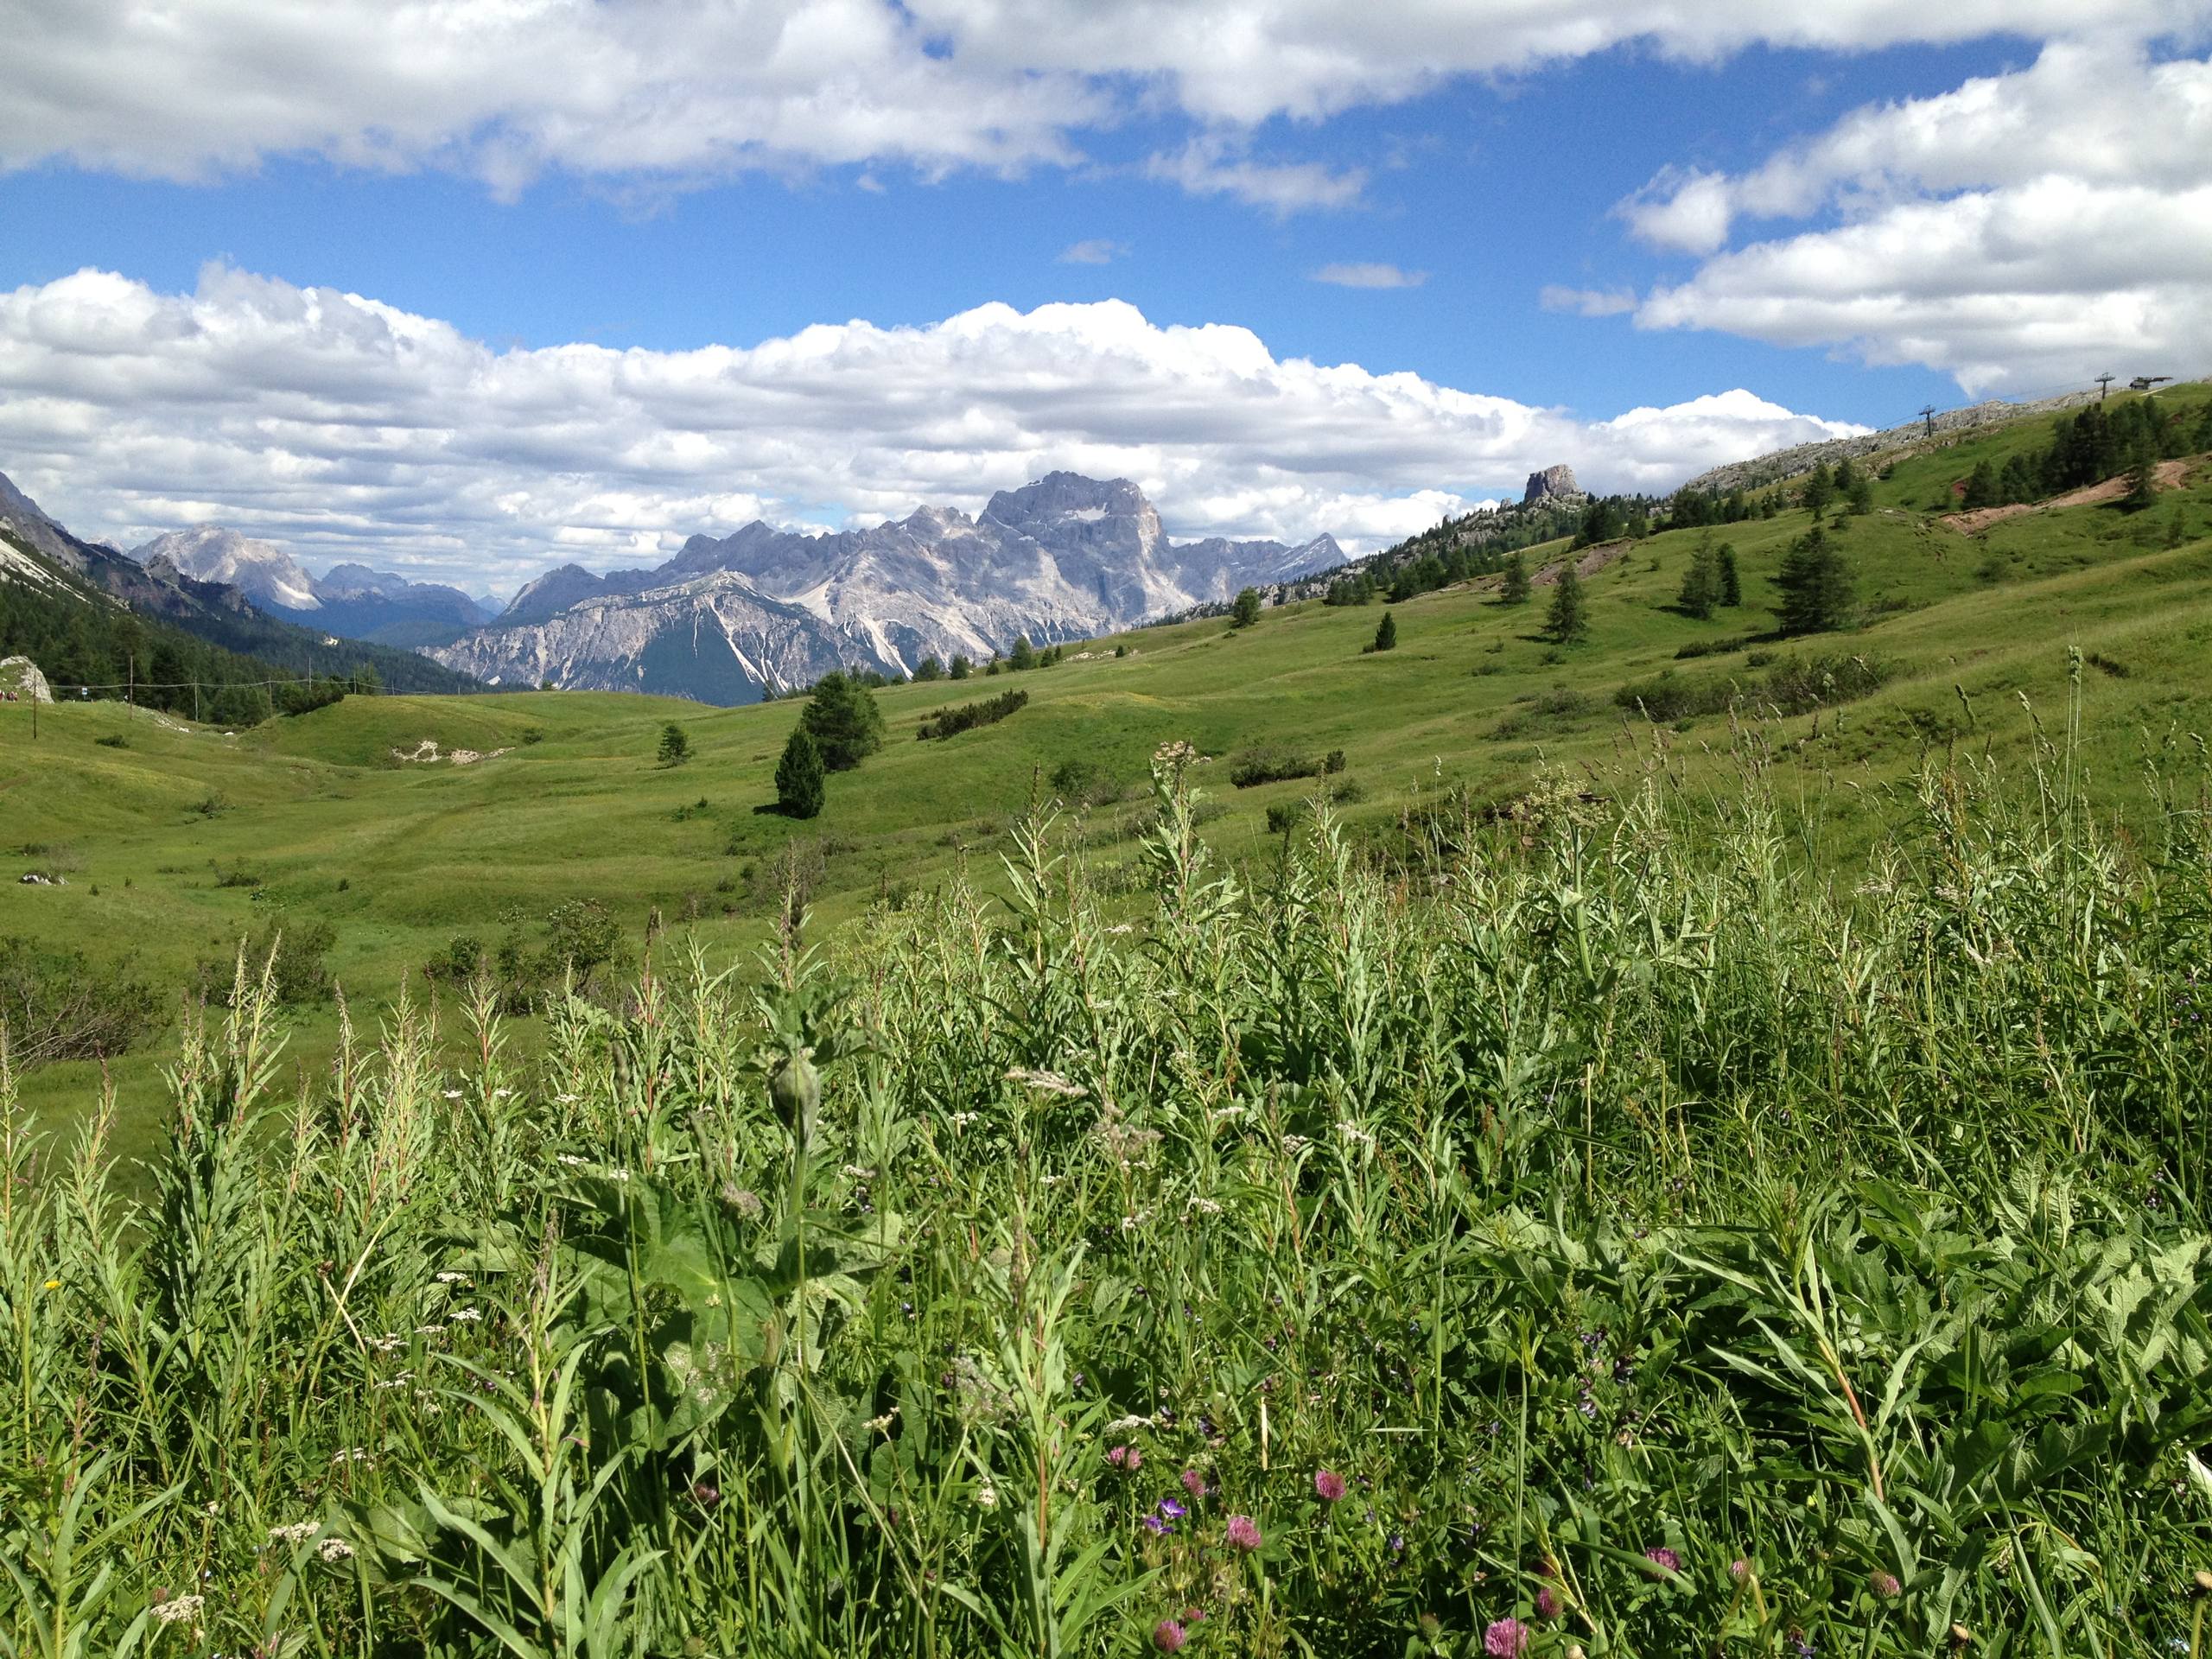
(1270, 766)
(113, 740)
(1283, 817)
(533, 734)
(949, 722)
(1792, 686)
(292, 951)
(57, 1004)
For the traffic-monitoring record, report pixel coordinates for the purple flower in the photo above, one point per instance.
(1172, 1509)
(1329, 1485)
(1739, 1569)
(1194, 1483)
(1169, 1636)
(1243, 1532)
(1547, 1603)
(1506, 1639)
(1664, 1558)
(1155, 1526)
(1126, 1458)
(1885, 1586)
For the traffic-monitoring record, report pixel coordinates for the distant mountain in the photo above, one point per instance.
(62, 565)
(1066, 558)
(350, 599)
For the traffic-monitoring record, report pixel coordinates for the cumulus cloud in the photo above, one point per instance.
(344, 428)
(2027, 230)
(1370, 276)
(1096, 250)
(506, 89)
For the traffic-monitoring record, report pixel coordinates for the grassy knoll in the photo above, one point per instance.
(187, 839)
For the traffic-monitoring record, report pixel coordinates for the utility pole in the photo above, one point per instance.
(196, 703)
(1928, 414)
(130, 687)
(2104, 386)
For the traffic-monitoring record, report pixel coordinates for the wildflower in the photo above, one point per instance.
(987, 1497)
(1664, 1559)
(53, 1284)
(1432, 1629)
(1155, 1526)
(453, 1094)
(882, 1425)
(453, 1278)
(1505, 1639)
(1170, 1513)
(1126, 1457)
(1049, 1083)
(1329, 1485)
(298, 1532)
(1169, 1636)
(335, 1549)
(1243, 1532)
(1547, 1604)
(746, 1202)
(1194, 1483)
(1739, 1569)
(177, 1608)
(706, 1494)
(467, 1315)
(1885, 1586)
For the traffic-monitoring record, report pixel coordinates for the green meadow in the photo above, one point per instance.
(177, 842)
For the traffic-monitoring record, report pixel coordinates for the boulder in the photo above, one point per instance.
(20, 676)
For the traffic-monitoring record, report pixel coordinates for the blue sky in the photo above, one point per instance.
(182, 248)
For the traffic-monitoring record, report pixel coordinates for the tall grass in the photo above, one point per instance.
(1592, 1232)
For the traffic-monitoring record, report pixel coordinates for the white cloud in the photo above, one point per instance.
(2025, 231)
(1210, 167)
(1370, 276)
(1587, 301)
(342, 427)
(1095, 251)
(505, 89)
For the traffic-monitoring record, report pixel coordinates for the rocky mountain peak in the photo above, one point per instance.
(216, 553)
(1553, 480)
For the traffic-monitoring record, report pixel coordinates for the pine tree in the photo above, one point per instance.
(929, 669)
(675, 745)
(1024, 655)
(1819, 591)
(1732, 585)
(1386, 636)
(1248, 608)
(2142, 484)
(844, 721)
(1514, 589)
(1820, 490)
(1981, 488)
(961, 669)
(1567, 620)
(1701, 590)
(799, 776)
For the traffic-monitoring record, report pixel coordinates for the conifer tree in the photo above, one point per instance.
(2142, 484)
(1820, 490)
(1023, 655)
(1819, 591)
(799, 788)
(1386, 636)
(675, 745)
(1514, 590)
(1248, 608)
(1568, 619)
(1732, 584)
(844, 721)
(1701, 590)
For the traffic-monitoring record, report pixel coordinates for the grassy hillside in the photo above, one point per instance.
(180, 840)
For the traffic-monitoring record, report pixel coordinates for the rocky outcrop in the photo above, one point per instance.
(1553, 480)
(21, 681)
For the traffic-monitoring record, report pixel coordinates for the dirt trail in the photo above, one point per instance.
(1593, 560)
(2170, 475)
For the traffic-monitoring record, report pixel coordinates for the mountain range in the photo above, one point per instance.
(40, 555)
(349, 600)
(728, 620)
